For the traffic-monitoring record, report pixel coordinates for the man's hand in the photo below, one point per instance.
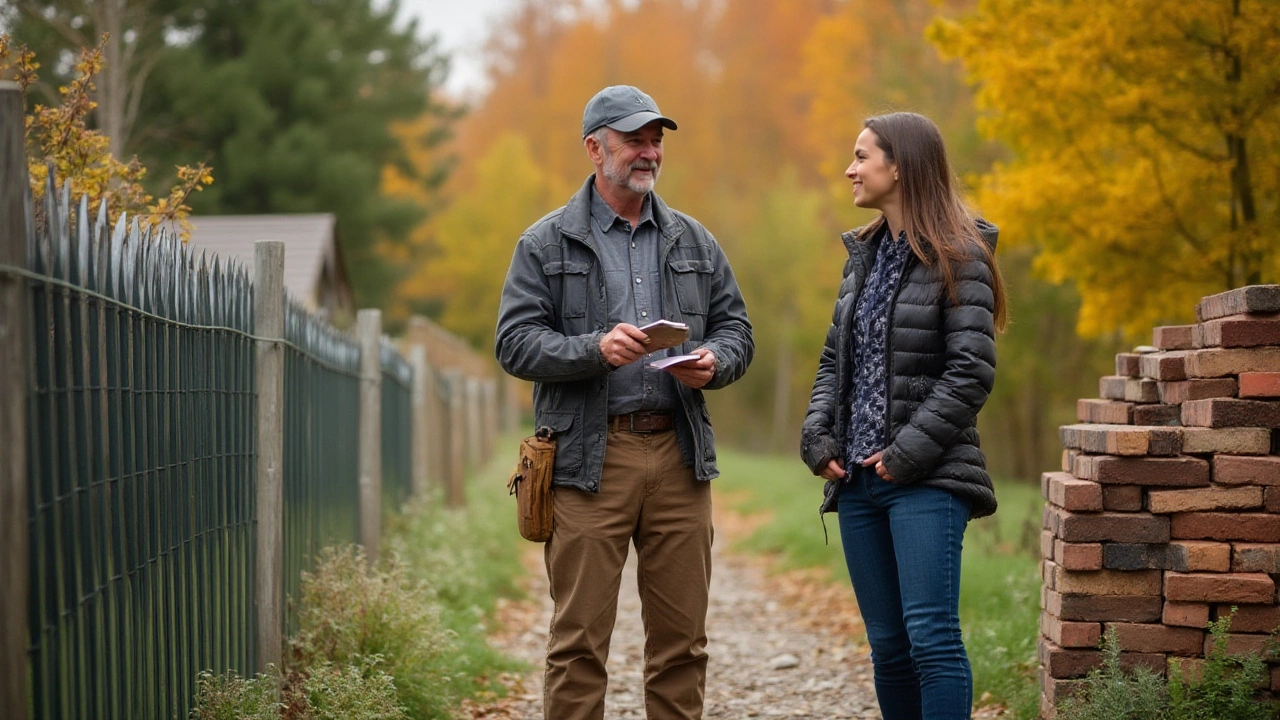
(832, 471)
(880, 468)
(697, 373)
(624, 344)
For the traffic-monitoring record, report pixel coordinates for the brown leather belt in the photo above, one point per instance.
(645, 421)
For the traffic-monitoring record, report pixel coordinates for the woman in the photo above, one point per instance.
(908, 363)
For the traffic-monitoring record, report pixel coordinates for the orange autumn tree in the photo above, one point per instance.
(1147, 142)
(59, 137)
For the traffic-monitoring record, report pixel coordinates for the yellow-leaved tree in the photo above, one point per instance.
(1147, 143)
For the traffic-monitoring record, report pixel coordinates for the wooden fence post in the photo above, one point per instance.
(369, 327)
(268, 324)
(421, 423)
(13, 409)
(456, 393)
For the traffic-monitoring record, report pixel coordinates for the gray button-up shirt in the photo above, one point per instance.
(633, 284)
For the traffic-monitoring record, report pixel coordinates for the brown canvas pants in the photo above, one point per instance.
(647, 496)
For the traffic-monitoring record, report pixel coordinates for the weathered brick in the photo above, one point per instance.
(1242, 527)
(1069, 633)
(1250, 618)
(1066, 491)
(1121, 498)
(1047, 541)
(1069, 459)
(1127, 365)
(1132, 389)
(1240, 644)
(1099, 410)
(1238, 331)
(1060, 662)
(1174, 393)
(1250, 299)
(1270, 496)
(1172, 337)
(1132, 440)
(1111, 387)
(1246, 470)
(1275, 679)
(1219, 587)
(1054, 691)
(1220, 362)
(1193, 615)
(1157, 414)
(1238, 441)
(1153, 638)
(1135, 556)
(1170, 365)
(1260, 385)
(1199, 556)
(1103, 582)
(1230, 412)
(1256, 557)
(1101, 608)
(1112, 527)
(1179, 471)
(1163, 502)
(1078, 556)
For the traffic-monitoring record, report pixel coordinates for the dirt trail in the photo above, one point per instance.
(782, 645)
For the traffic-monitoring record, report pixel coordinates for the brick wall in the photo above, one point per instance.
(1166, 512)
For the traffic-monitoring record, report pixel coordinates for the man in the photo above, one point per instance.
(634, 444)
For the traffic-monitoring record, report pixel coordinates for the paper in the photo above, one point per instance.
(667, 362)
(664, 334)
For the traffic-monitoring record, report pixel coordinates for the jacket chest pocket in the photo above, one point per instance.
(692, 280)
(572, 278)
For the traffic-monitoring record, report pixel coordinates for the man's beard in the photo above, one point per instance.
(622, 176)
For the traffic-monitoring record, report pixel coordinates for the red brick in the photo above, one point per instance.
(1239, 331)
(1174, 393)
(1261, 385)
(1189, 669)
(1240, 644)
(1078, 556)
(1230, 412)
(1193, 615)
(1216, 362)
(1047, 541)
(1068, 461)
(1242, 527)
(1128, 365)
(1244, 470)
(1256, 557)
(1250, 299)
(1101, 608)
(1170, 365)
(1199, 556)
(1054, 691)
(1152, 638)
(1111, 387)
(1219, 587)
(1157, 414)
(1110, 412)
(1172, 337)
(1077, 495)
(1162, 502)
(1121, 498)
(1251, 618)
(1164, 472)
(1131, 389)
(1103, 582)
(1069, 633)
(1123, 439)
(1060, 662)
(1238, 441)
(1111, 527)
(1271, 497)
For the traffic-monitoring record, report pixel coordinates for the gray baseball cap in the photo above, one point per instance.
(623, 108)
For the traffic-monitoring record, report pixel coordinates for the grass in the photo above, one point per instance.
(1000, 583)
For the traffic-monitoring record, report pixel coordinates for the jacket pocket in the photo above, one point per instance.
(568, 435)
(572, 279)
(692, 278)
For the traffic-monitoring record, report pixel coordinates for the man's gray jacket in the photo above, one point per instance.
(554, 313)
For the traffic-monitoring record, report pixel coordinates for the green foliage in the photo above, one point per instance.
(351, 613)
(1225, 687)
(231, 697)
(326, 691)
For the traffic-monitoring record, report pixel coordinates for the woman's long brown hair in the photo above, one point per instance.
(939, 224)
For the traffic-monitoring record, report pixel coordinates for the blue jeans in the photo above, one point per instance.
(902, 544)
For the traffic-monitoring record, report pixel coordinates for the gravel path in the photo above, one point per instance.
(782, 645)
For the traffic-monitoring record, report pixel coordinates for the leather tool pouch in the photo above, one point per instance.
(531, 484)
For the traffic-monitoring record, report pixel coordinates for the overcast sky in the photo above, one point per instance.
(462, 26)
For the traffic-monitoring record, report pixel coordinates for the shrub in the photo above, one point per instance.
(352, 614)
(231, 697)
(324, 692)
